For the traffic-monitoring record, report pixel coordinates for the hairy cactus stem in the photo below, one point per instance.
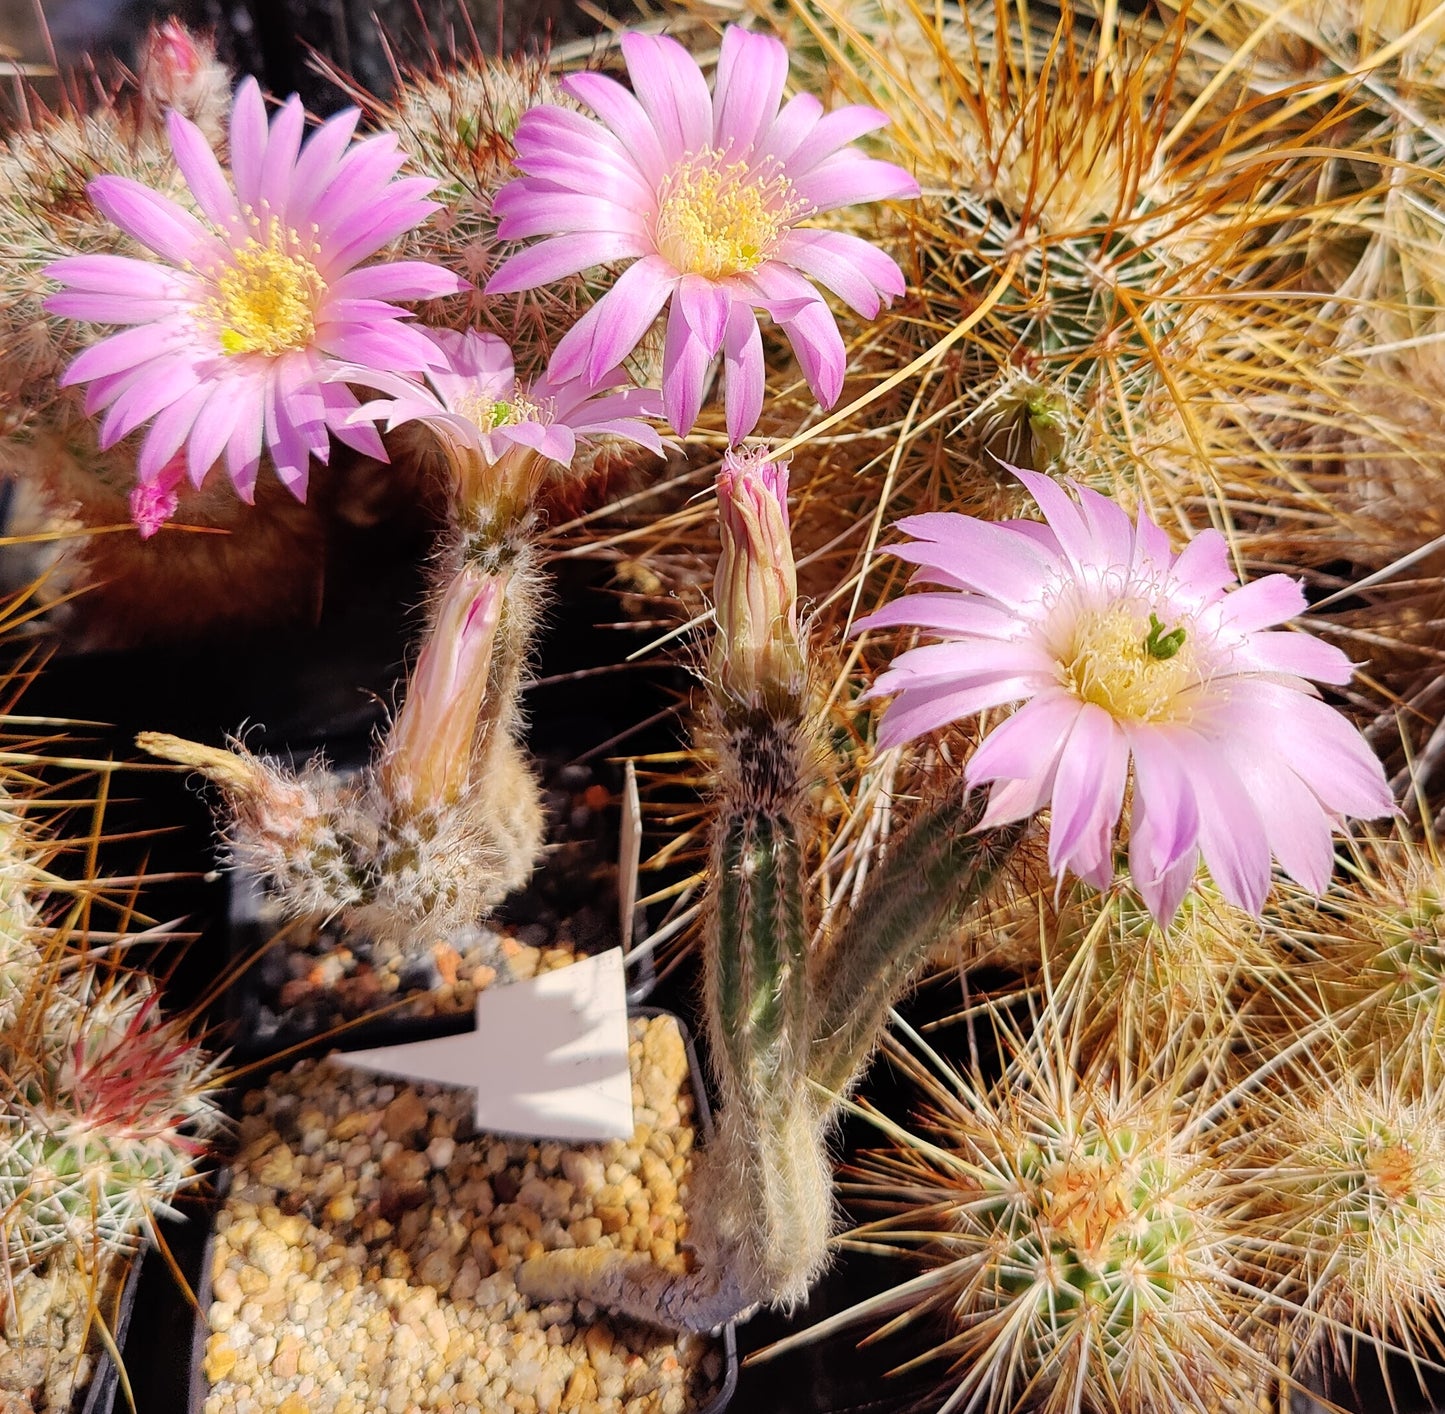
(305, 836)
(756, 974)
(931, 876)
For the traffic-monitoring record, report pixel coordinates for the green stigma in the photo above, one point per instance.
(1161, 645)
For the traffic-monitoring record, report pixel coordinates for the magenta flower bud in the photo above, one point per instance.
(428, 753)
(154, 502)
(757, 652)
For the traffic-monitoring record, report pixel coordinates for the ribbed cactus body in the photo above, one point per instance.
(758, 969)
(932, 874)
(101, 1126)
(82, 1188)
(788, 1029)
(766, 1180)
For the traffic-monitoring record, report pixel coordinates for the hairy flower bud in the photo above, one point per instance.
(757, 652)
(427, 757)
(177, 70)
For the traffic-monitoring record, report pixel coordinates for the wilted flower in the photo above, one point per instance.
(498, 436)
(756, 651)
(708, 192)
(428, 756)
(1122, 650)
(241, 321)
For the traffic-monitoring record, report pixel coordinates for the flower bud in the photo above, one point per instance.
(153, 503)
(757, 652)
(428, 754)
(178, 69)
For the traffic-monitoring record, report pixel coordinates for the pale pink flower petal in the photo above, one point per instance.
(471, 397)
(248, 141)
(857, 272)
(152, 219)
(832, 133)
(168, 434)
(847, 180)
(621, 113)
(744, 369)
(709, 188)
(685, 360)
(799, 117)
(671, 89)
(235, 337)
(214, 426)
(1088, 794)
(1166, 817)
(202, 172)
(1231, 834)
(1126, 654)
(1263, 603)
(561, 256)
(749, 86)
(994, 560)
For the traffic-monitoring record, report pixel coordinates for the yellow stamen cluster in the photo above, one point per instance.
(1122, 659)
(266, 295)
(717, 218)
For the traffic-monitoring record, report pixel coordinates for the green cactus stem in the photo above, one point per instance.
(921, 891)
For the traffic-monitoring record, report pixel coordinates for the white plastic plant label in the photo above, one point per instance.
(548, 1058)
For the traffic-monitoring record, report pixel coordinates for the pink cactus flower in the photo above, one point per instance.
(1120, 651)
(237, 325)
(707, 192)
(475, 406)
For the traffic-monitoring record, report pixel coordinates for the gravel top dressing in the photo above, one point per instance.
(363, 1255)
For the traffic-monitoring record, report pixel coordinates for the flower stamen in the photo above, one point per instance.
(717, 218)
(1134, 675)
(266, 295)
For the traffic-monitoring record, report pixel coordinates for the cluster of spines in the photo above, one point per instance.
(105, 1102)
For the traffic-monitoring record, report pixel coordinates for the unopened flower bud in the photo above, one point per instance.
(266, 802)
(153, 503)
(428, 755)
(178, 69)
(757, 652)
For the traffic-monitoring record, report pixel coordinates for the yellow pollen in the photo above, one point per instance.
(717, 218)
(1112, 657)
(266, 295)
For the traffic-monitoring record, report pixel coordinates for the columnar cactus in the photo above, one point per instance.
(790, 1023)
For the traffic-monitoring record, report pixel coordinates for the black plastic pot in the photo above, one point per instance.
(200, 1330)
(105, 1380)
